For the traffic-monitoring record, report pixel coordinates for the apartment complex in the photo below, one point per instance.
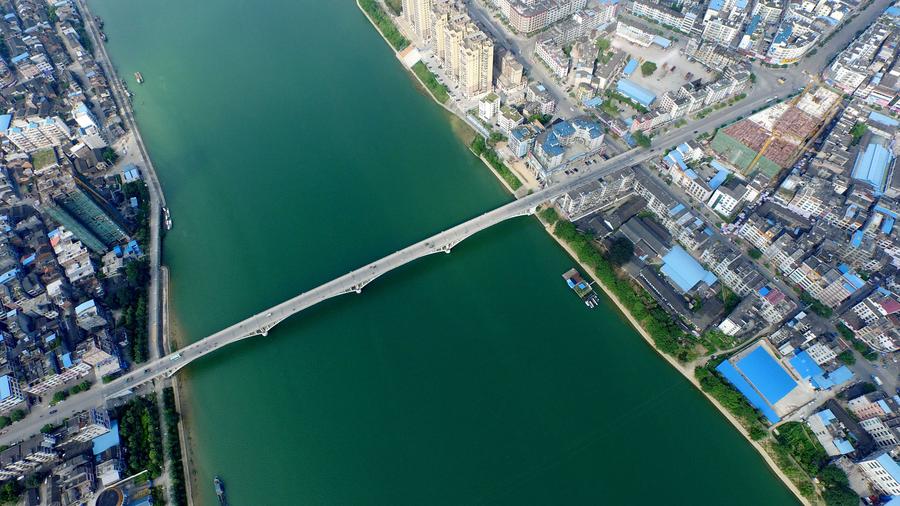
(32, 133)
(418, 14)
(527, 16)
(466, 52)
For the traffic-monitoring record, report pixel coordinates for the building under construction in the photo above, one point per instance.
(771, 140)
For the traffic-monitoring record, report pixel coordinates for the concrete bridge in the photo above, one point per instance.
(355, 281)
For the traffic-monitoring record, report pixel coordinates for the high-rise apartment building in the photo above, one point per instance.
(466, 52)
(418, 14)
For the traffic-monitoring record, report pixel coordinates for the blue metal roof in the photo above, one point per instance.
(856, 238)
(805, 365)
(854, 282)
(676, 157)
(871, 166)
(884, 120)
(8, 275)
(84, 306)
(719, 178)
(889, 465)
(592, 102)
(67, 360)
(630, 67)
(754, 22)
(675, 210)
(886, 211)
(662, 41)
(564, 129)
(887, 225)
(18, 58)
(840, 375)
(766, 374)
(5, 120)
(684, 270)
(843, 446)
(735, 378)
(637, 93)
(892, 11)
(784, 34)
(716, 5)
(106, 441)
(826, 416)
(5, 386)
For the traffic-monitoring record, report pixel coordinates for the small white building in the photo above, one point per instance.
(488, 107)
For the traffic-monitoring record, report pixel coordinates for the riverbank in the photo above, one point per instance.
(461, 115)
(686, 370)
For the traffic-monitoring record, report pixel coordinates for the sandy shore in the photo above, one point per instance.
(172, 339)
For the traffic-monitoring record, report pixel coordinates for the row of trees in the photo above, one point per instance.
(140, 435)
(664, 331)
(384, 24)
(480, 148)
(731, 399)
(173, 448)
(129, 294)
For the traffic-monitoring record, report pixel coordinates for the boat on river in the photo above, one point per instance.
(139, 77)
(581, 288)
(220, 489)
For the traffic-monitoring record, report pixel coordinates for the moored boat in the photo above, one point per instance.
(581, 288)
(220, 489)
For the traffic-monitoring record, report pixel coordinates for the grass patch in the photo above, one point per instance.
(480, 148)
(384, 23)
(438, 90)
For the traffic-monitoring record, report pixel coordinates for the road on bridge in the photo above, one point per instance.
(765, 90)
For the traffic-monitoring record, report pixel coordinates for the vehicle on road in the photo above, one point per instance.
(877, 380)
(175, 357)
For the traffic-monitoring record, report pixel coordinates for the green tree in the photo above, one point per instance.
(648, 68)
(109, 155)
(755, 253)
(641, 139)
(832, 475)
(620, 251)
(840, 496)
(17, 415)
(857, 131)
(60, 396)
(395, 6)
(10, 492)
(847, 357)
(4, 421)
(550, 215)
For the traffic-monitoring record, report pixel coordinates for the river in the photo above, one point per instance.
(293, 147)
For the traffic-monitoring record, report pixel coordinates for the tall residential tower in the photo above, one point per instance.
(418, 14)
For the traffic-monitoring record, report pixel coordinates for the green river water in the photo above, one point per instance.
(293, 147)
